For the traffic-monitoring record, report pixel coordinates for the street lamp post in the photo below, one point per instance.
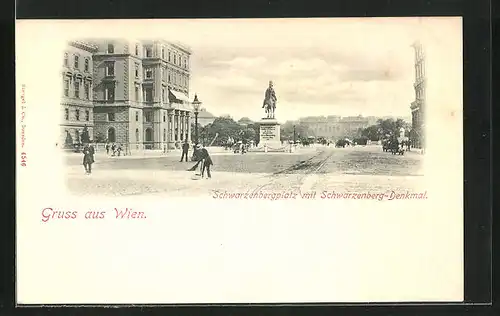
(196, 105)
(294, 139)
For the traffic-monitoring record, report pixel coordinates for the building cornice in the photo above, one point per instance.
(85, 46)
(182, 47)
(119, 55)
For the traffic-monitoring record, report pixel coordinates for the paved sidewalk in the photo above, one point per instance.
(177, 153)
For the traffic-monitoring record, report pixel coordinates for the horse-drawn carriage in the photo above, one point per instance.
(397, 148)
(341, 143)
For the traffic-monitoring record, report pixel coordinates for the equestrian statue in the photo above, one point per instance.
(270, 99)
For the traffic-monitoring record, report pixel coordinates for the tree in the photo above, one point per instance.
(249, 134)
(100, 138)
(302, 131)
(371, 132)
(225, 127)
(85, 137)
(69, 140)
(193, 131)
(256, 129)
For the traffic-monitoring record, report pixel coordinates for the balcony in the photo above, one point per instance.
(151, 103)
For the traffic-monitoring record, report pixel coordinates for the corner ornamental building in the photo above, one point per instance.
(417, 134)
(76, 100)
(139, 93)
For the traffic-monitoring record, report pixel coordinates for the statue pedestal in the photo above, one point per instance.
(269, 134)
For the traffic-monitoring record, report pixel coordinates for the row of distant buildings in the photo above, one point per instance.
(334, 126)
(125, 91)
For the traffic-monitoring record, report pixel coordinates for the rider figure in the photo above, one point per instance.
(270, 99)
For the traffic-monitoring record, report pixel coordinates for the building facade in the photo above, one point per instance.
(77, 98)
(335, 127)
(205, 117)
(418, 106)
(140, 93)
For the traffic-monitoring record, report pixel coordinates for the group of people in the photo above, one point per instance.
(200, 155)
(116, 150)
(202, 158)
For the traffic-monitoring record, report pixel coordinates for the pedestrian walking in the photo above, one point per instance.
(113, 149)
(107, 148)
(185, 150)
(88, 158)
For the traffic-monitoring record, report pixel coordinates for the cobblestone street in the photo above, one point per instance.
(323, 168)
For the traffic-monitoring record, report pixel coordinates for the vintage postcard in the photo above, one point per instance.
(239, 161)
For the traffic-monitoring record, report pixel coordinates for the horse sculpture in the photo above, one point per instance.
(270, 99)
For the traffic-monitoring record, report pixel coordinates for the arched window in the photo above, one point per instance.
(77, 64)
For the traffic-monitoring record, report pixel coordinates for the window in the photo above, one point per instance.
(110, 69)
(185, 63)
(170, 119)
(148, 116)
(163, 52)
(136, 70)
(137, 116)
(149, 73)
(169, 78)
(76, 61)
(164, 134)
(137, 93)
(169, 56)
(111, 48)
(175, 59)
(137, 135)
(66, 87)
(164, 117)
(148, 94)
(87, 91)
(86, 64)
(111, 117)
(66, 114)
(149, 51)
(77, 115)
(87, 115)
(66, 59)
(77, 89)
(109, 93)
(137, 49)
(163, 94)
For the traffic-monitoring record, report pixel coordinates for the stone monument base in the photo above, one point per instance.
(270, 134)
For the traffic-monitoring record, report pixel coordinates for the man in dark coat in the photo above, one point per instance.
(202, 156)
(206, 162)
(88, 158)
(185, 149)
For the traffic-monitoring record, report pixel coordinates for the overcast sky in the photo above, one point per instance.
(318, 66)
(328, 66)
